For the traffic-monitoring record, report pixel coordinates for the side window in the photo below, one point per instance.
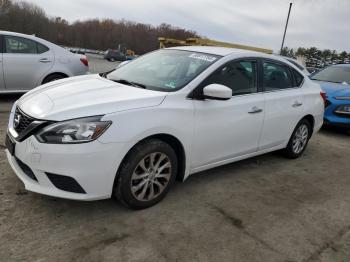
(20, 45)
(1, 41)
(41, 48)
(276, 76)
(298, 78)
(240, 76)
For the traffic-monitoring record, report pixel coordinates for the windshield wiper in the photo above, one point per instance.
(104, 74)
(126, 82)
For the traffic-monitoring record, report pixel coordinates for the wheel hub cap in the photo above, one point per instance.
(300, 139)
(151, 176)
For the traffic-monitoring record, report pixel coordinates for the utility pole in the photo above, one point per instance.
(285, 28)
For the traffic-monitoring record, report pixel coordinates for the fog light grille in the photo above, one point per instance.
(65, 183)
(26, 170)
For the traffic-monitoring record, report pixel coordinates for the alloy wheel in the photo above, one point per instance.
(151, 176)
(300, 138)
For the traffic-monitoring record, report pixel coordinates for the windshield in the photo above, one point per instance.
(164, 70)
(336, 74)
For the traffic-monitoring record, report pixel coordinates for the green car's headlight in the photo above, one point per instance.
(80, 130)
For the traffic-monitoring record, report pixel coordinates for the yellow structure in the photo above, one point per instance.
(169, 42)
(130, 52)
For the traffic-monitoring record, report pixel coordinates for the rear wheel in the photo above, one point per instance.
(299, 140)
(53, 77)
(146, 174)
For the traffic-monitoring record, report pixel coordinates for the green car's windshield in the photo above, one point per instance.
(335, 74)
(163, 70)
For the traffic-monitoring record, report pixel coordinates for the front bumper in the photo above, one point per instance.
(326, 122)
(332, 118)
(92, 165)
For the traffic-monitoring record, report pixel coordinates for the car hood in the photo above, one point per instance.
(85, 96)
(334, 89)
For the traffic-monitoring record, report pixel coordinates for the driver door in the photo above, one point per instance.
(231, 128)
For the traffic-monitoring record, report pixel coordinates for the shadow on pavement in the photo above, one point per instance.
(335, 131)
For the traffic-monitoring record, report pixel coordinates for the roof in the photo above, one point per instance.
(16, 34)
(215, 50)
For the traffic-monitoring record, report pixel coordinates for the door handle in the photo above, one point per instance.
(255, 110)
(44, 60)
(297, 104)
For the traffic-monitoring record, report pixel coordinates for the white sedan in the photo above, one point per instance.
(131, 133)
(27, 61)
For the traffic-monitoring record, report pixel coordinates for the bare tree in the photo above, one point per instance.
(98, 34)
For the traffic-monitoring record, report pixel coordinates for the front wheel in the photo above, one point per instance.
(146, 174)
(299, 140)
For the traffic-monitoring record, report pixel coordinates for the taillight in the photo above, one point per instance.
(84, 61)
(324, 97)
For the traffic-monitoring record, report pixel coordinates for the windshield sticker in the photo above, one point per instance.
(203, 57)
(171, 84)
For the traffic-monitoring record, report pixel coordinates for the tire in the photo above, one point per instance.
(112, 60)
(300, 136)
(53, 77)
(137, 178)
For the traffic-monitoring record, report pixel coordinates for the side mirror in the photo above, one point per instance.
(123, 63)
(217, 92)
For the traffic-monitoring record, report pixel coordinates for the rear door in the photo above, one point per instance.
(25, 62)
(283, 102)
(2, 81)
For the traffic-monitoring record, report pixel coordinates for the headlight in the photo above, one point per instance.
(343, 109)
(80, 130)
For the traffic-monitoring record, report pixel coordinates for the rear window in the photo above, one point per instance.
(296, 64)
(42, 48)
(298, 78)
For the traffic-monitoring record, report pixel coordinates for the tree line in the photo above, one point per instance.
(99, 34)
(315, 57)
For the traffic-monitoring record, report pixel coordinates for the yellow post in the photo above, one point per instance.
(168, 42)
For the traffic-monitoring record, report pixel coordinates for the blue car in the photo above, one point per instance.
(335, 82)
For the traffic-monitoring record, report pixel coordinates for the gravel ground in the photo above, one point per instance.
(99, 65)
(263, 209)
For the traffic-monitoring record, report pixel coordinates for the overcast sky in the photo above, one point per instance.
(320, 23)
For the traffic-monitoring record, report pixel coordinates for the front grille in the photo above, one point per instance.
(341, 115)
(21, 121)
(65, 183)
(26, 170)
